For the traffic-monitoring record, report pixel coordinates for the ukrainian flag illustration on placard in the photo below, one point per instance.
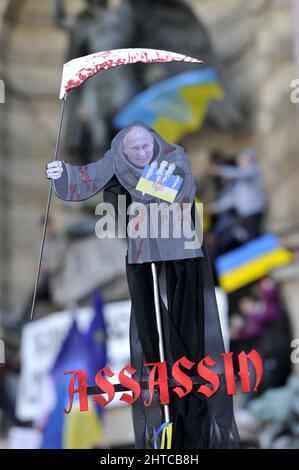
(160, 181)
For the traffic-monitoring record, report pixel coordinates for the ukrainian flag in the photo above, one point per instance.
(83, 430)
(175, 106)
(251, 261)
(78, 429)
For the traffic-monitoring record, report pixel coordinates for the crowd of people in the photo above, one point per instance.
(257, 315)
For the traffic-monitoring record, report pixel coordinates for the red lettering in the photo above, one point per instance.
(244, 372)
(162, 382)
(208, 375)
(104, 385)
(130, 384)
(229, 373)
(81, 389)
(158, 377)
(181, 377)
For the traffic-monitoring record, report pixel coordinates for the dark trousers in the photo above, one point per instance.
(252, 225)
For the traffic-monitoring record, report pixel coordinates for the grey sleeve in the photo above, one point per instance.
(234, 172)
(78, 183)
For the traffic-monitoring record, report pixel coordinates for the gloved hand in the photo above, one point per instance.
(54, 170)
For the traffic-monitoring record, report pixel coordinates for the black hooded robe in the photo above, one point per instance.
(189, 312)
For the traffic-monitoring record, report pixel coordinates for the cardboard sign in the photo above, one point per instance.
(159, 181)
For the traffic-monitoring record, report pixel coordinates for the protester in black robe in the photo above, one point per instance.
(189, 312)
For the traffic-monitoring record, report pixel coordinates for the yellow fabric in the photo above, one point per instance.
(198, 98)
(82, 429)
(204, 216)
(167, 430)
(255, 269)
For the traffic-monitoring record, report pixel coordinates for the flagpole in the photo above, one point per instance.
(47, 212)
(160, 329)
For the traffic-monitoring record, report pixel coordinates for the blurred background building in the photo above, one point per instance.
(253, 49)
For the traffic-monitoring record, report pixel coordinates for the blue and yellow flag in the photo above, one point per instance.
(176, 106)
(76, 430)
(251, 261)
(96, 340)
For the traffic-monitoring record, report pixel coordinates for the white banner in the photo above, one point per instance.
(41, 342)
